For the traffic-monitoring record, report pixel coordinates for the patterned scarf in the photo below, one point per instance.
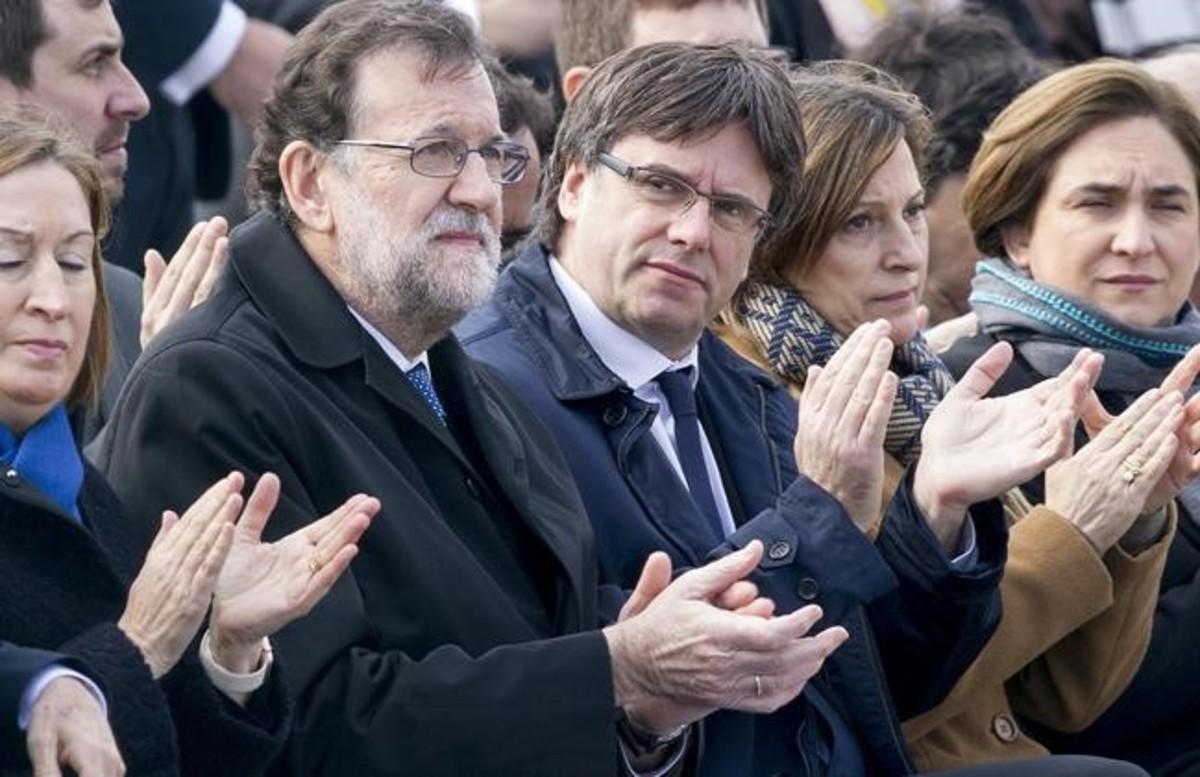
(793, 336)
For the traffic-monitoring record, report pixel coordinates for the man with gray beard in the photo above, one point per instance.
(465, 639)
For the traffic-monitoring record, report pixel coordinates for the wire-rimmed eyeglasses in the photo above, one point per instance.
(446, 157)
(729, 212)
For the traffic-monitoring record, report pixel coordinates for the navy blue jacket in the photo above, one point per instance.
(915, 623)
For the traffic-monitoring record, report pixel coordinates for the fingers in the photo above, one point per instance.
(43, 755)
(1157, 452)
(655, 577)
(1184, 373)
(213, 241)
(205, 510)
(215, 268)
(736, 596)
(324, 579)
(1093, 415)
(198, 557)
(1115, 435)
(343, 526)
(157, 298)
(922, 317)
(984, 373)
(259, 506)
(874, 427)
(856, 349)
(777, 679)
(711, 579)
(861, 383)
(761, 607)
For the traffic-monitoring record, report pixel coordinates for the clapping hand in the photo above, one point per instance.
(266, 585)
(170, 596)
(1185, 463)
(975, 448)
(678, 653)
(1103, 487)
(843, 419)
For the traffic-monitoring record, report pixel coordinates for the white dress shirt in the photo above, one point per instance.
(637, 365)
(210, 58)
(399, 359)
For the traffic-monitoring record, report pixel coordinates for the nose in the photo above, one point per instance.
(127, 101)
(909, 248)
(473, 189)
(1133, 237)
(692, 228)
(48, 290)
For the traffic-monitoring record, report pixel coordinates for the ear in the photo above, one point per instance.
(570, 193)
(572, 81)
(303, 171)
(1016, 239)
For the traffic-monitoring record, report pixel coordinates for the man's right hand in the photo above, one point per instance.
(678, 654)
(67, 727)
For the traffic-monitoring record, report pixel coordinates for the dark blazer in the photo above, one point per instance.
(1155, 723)
(462, 639)
(65, 588)
(930, 621)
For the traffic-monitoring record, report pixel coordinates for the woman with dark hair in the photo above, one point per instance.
(1085, 193)
(76, 580)
(1076, 605)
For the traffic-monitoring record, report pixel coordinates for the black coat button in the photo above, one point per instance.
(12, 477)
(807, 589)
(615, 414)
(1005, 728)
(779, 550)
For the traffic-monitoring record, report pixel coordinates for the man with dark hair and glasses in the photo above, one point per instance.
(465, 639)
(671, 165)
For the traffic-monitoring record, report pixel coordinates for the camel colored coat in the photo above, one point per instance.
(1075, 628)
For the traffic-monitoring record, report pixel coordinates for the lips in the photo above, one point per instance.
(897, 296)
(461, 237)
(676, 271)
(1130, 279)
(43, 349)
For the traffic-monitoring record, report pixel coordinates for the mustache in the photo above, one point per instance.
(458, 220)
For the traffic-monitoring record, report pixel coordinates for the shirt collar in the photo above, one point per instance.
(628, 357)
(403, 362)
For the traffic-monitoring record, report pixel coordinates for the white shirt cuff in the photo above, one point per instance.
(237, 687)
(41, 680)
(968, 552)
(207, 62)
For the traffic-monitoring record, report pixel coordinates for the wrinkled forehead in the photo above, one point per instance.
(398, 94)
(83, 22)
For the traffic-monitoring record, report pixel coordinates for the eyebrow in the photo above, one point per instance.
(691, 181)
(442, 129)
(25, 237)
(919, 194)
(1164, 190)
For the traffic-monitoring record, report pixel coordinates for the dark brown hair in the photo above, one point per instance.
(28, 136)
(315, 90)
(23, 30)
(1019, 150)
(676, 92)
(591, 31)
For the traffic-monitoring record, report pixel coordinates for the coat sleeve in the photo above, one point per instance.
(1068, 643)
(200, 409)
(160, 37)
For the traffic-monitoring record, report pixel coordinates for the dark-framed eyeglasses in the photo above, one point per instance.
(731, 213)
(446, 157)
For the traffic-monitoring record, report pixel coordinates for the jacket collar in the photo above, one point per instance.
(276, 271)
(533, 305)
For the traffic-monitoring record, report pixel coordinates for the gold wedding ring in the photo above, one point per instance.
(314, 564)
(757, 685)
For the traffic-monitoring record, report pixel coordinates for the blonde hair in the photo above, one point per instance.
(29, 135)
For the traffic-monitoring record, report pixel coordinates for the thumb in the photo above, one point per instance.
(710, 580)
(984, 373)
(155, 266)
(655, 577)
(922, 317)
(1184, 374)
(1093, 415)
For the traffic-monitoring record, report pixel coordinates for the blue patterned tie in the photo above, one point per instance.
(676, 386)
(419, 377)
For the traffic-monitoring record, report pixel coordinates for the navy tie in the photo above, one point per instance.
(676, 386)
(419, 377)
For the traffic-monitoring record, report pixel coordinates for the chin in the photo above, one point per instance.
(903, 328)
